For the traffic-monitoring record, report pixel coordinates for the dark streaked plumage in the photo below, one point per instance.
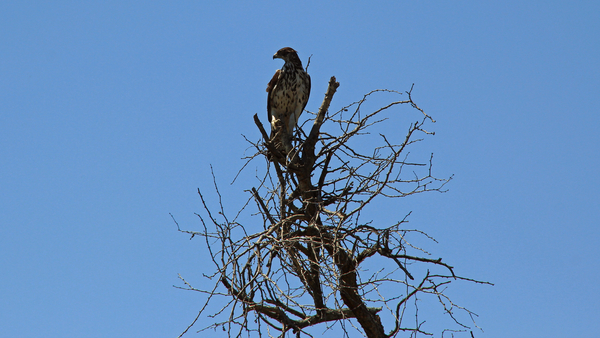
(289, 90)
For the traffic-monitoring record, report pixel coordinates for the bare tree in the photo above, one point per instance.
(307, 264)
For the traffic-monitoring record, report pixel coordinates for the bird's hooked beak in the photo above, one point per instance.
(277, 56)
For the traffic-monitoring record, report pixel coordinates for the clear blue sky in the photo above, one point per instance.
(111, 113)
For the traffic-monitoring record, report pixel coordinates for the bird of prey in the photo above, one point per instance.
(288, 90)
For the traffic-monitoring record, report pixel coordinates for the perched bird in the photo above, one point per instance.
(288, 90)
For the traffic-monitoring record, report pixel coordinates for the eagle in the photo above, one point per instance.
(288, 90)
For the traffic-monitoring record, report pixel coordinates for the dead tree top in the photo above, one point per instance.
(308, 263)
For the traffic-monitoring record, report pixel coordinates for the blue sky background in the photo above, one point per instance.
(111, 113)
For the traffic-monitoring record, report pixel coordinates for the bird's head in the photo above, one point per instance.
(290, 57)
(285, 53)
